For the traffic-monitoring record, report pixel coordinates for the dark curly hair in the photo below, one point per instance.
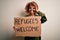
(32, 4)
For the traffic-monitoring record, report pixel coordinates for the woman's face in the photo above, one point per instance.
(32, 9)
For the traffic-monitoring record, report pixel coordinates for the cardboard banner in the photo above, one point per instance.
(28, 26)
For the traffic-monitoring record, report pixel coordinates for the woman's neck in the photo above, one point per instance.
(32, 14)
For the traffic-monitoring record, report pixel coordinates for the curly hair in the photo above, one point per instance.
(32, 4)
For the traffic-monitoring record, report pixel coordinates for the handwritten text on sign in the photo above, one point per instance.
(28, 26)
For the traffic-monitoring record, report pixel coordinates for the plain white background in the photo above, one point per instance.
(11, 8)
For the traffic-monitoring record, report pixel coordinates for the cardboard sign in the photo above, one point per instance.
(28, 26)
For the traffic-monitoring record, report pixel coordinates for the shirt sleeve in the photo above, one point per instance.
(43, 17)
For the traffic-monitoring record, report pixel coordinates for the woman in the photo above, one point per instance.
(32, 10)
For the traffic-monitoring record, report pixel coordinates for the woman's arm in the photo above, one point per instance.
(43, 17)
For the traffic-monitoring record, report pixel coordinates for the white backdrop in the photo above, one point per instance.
(11, 8)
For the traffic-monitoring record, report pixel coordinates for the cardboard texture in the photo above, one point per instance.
(28, 26)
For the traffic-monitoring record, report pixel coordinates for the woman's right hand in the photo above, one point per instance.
(15, 28)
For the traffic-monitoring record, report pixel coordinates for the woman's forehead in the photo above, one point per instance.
(32, 6)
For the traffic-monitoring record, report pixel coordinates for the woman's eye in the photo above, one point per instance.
(29, 8)
(34, 9)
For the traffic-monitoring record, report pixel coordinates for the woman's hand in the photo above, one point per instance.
(14, 27)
